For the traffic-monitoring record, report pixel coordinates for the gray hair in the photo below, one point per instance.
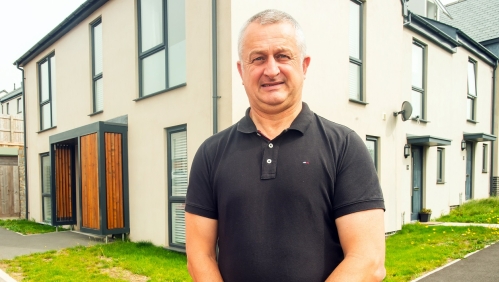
(272, 16)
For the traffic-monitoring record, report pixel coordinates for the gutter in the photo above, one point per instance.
(494, 77)
(214, 49)
(26, 193)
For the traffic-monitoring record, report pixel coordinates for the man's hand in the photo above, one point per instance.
(201, 237)
(362, 237)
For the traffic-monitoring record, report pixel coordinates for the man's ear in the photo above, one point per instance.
(239, 69)
(305, 64)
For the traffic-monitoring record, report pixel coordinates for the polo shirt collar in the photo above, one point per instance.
(301, 122)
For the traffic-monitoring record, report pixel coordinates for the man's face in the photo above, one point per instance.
(271, 67)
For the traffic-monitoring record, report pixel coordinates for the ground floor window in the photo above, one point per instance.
(372, 147)
(485, 159)
(46, 189)
(440, 165)
(177, 183)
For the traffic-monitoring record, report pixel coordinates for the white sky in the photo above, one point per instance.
(22, 24)
(25, 22)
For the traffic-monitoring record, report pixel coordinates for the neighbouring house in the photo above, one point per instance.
(12, 103)
(479, 20)
(121, 94)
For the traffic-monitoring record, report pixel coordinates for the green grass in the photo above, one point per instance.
(26, 227)
(119, 261)
(478, 211)
(418, 248)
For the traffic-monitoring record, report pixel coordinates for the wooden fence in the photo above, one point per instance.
(11, 130)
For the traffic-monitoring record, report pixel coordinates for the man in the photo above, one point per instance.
(286, 194)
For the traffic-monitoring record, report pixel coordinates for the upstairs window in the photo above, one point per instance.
(162, 53)
(418, 85)
(8, 108)
(19, 105)
(47, 91)
(97, 74)
(471, 101)
(355, 51)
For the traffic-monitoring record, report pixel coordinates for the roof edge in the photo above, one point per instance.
(75, 18)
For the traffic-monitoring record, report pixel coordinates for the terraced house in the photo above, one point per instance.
(121, 94)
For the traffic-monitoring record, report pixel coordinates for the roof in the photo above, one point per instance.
(14, 93)
(80, 14)
(477, 18)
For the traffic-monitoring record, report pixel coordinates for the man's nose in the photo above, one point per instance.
(271, 68)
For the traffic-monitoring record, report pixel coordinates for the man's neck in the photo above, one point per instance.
(271, 125)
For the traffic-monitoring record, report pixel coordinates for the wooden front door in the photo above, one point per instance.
(9, 187)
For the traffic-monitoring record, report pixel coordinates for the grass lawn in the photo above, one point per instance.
(478, 211)
(119, 261)
(418, 248)
(27, 227)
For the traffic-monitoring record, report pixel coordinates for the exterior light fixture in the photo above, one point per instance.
(463, 145)
(406, 150)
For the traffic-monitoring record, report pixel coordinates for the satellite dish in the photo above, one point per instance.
(406, 111)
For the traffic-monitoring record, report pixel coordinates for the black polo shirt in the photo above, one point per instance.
(276, 201)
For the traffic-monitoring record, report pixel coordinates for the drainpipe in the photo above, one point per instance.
(494, 77)
(215, 62)
(23, 89)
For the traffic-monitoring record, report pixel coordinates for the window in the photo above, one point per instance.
(46, 72)
(8, 108)
(97, 76)
(470, 106)
(440, 165)
(162, 53)
(418, 73)
(177, 183)
(19, 105)
(46, 189)
(372, 147)
(355, 50)
(485, 159)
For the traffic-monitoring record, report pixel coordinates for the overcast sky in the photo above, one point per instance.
(25, 22)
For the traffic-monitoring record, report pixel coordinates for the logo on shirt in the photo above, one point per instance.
(306, 163)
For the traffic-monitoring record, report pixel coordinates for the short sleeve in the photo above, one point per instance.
(357, 186)
(200, 199)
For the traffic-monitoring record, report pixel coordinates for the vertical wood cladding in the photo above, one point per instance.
(114, 180)
(63, 182)
(89, 181)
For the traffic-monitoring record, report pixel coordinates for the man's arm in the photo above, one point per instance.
(362, 237)
(201, 237)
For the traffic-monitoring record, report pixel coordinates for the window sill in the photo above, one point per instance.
(440, 182)
(358, 101)
(175, 249)
(484, 171)
(96, 113)
(472, 121)
(47, 129)
(420, 120)
(160, 92)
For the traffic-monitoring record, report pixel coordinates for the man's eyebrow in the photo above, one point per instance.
(265, 52)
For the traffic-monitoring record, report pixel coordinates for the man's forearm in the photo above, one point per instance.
(357, 268)
(203, 268)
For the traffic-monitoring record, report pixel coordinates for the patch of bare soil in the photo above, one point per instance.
(120, 273)
(18, 276)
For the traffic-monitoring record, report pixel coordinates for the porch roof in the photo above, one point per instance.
(479, 137)
(427, 140)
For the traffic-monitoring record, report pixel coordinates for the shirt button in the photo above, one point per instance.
(269, 161)
(271, 145)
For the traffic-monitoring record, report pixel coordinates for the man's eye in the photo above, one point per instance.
(282, 56)
(257, 59)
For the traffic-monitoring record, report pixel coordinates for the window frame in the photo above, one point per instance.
(173, 199)
(50, 99)
(45, 195)
(485, 158)
(421, 91)
(142, 55)
(376, 150)
(95, 76)
(440, 165)
(19, 105)
(470, 97)
(359, 61)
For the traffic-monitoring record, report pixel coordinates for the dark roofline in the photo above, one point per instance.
(13, 94)
(80, 14)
